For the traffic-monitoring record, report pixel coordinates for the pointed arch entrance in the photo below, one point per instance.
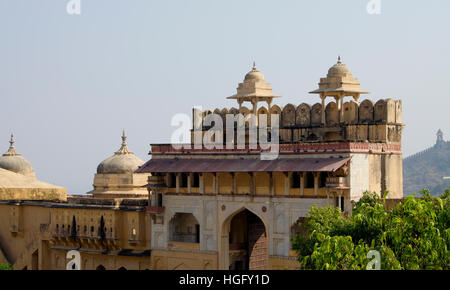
(244, 242)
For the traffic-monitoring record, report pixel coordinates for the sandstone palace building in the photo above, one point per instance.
(203, 208)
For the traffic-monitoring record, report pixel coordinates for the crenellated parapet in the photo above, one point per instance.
(361, 121)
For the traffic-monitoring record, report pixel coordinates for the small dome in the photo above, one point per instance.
(123, 161)
(338, 70)
(254, 75)
(14, 162)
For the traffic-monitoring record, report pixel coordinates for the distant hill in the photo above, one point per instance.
(428, 168)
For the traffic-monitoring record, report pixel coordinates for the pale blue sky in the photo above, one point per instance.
(70, 84)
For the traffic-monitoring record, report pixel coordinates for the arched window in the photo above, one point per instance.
(184, 227)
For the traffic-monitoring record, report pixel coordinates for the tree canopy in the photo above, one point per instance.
(5, 267)
(413, 235)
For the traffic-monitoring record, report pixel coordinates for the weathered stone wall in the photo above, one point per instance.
(214, 214)
(365, 121)
(36, 235)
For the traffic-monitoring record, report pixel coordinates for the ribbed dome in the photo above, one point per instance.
(338, 70)
(14, 162)
(123, 161)
(254, 75)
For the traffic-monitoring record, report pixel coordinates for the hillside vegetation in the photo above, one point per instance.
(426, 169)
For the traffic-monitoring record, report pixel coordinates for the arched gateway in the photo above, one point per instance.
(244, 242)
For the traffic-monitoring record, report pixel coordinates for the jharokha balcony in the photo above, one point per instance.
(336, 182)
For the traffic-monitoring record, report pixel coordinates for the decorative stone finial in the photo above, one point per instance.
(124, 148)
(339, 59)
(254, 65)
(11, 151)
(11, 142)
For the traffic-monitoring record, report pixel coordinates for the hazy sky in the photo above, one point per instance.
(69, 84)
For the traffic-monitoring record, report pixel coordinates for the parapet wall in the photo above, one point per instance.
(364, 121)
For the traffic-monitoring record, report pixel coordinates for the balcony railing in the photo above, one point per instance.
(336, 182)
(156, 181)
(183, 245)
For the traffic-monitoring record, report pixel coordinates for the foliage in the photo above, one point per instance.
(414, 235)
(5, 267)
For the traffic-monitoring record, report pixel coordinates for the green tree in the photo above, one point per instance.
(414, 235)
(5, 267)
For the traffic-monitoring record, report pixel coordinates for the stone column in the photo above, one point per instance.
(202, 182)
(240, 105)
(271, 184)
(269, 103)
(339, 200)
(252, 183)
(302, 183)
(177, 182)
(167, 179)
(322, 96)
(255, 106)
(215, 183)
(287, 182)
(316, 183)
(189, 184)
(233, 180)
(341, 109)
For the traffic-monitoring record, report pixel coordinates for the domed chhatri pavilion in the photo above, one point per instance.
(14, 162)
(18, 180)
(116, 177)
(254, 89)
(211, 208)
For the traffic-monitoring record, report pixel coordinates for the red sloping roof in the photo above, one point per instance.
(242, 165)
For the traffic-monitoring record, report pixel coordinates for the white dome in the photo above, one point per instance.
(254, 75)
(338, 70)
(123, 161)
(14, 162)
(120, 163)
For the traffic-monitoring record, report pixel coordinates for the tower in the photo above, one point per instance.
(439, 138)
